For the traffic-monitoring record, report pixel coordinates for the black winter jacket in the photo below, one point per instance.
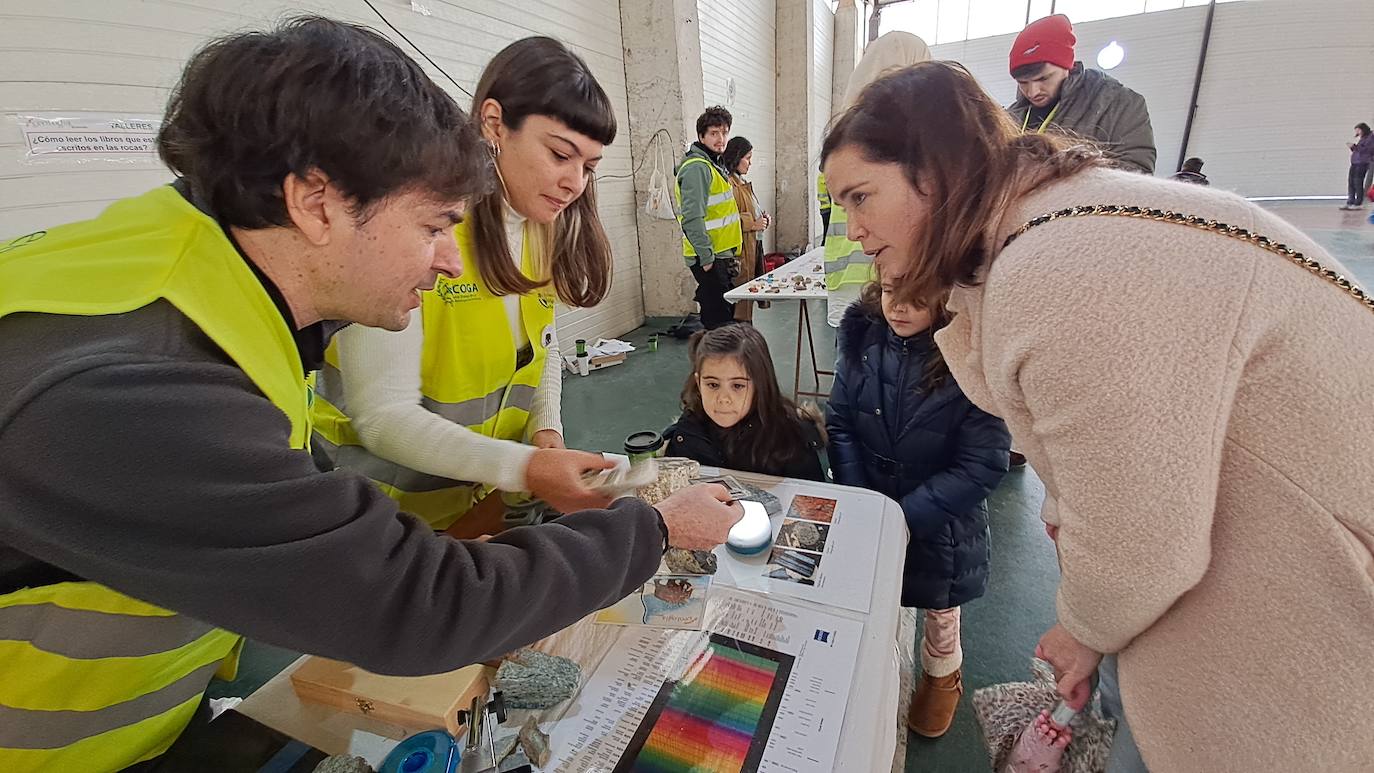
(699, 438)
(935, 454)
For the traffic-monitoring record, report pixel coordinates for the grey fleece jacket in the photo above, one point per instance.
(694, 188)
(1095, 105)
(134, 453)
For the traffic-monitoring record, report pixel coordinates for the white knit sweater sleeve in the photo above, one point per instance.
(547, 410)
(381, 375)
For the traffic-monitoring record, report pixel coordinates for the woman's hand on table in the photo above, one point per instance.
(699, 517)
(547, 438)
(1074, 664)
(555, 475)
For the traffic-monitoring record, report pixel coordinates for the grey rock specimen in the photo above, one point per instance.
(690, 561)
(530, 679)
(343, 763)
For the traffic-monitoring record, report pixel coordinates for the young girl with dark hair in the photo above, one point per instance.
(735, 417)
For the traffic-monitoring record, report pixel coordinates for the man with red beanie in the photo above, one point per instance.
(1057, 92)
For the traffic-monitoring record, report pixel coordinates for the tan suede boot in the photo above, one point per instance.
(933, 705)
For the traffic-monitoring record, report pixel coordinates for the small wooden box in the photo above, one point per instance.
(415, 703)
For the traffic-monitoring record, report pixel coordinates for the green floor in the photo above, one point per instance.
(1001, 629)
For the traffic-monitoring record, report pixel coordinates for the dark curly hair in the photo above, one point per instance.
(714, 116)
(252, 108)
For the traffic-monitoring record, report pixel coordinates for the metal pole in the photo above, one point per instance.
(1197, 84)
(1051, 7)
(1028, 4)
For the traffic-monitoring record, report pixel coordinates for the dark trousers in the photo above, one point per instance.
(711, 289)
(825, 224)
(1356, 187)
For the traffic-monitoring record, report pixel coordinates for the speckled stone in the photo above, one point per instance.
(343, 763)
(681, 561)
(673, 473)
(530, 679)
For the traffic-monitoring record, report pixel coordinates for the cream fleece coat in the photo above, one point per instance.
(1202, 414)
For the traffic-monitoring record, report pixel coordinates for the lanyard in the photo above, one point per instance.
(1043, 124)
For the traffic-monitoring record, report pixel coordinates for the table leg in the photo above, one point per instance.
(804, 322)
(796, 371)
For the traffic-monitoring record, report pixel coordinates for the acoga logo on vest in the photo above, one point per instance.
(545, 301)
(452, 292)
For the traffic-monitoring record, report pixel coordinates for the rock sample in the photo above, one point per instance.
(673, 473)
(534, 743)
(681, 561)
(530, 679)
(343, 763)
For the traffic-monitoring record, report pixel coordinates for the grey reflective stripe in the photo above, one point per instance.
(82, 634)
(364, 462)
(857, 258)
(720, 198)
(472, 412)
(329, 385)
(718, 223)
(34, 729)
(838, 228)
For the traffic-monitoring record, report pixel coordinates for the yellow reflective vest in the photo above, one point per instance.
(91, 679)
(823, 193)
(722, 213)
(470, 374)
(846, 264)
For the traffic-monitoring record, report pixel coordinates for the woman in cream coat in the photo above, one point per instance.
(1200, 407)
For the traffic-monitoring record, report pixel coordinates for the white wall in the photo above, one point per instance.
(1285, 82)
(124, 55)
(823, 65)
(737, 43)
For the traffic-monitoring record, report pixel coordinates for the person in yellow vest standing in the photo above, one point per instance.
(847, 268)
(466, 399)
(709, 216)
(823, 198)
(157, 498)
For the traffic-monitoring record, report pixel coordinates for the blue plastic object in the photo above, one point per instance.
(433, 751)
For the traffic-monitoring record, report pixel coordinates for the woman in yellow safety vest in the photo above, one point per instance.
(466, 400)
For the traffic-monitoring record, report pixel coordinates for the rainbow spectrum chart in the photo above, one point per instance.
(715, 719)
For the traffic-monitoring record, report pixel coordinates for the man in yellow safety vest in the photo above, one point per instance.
(157, 498)
(711, 234)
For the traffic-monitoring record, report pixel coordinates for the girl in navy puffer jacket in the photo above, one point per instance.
(899, 425)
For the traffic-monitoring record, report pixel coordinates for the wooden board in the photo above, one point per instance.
(415, 703)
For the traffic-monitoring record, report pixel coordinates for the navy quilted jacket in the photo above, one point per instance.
(935, 454)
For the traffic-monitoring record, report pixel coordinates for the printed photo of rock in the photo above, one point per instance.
(793, 566)
(807, 535)
(812, 508)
